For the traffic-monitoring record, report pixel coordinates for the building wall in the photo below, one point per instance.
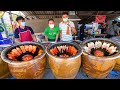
(39, 25)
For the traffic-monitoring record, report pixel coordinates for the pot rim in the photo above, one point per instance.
(69, 58)
(4, 58)
(117, 55)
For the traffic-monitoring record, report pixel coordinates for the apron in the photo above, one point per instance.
(25, 36)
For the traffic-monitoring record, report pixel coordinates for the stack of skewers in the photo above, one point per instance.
(64, 51)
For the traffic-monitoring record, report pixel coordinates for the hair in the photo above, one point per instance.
(19, 18)
(65, 13)
(50, 20)
(83, 23)
(114, 22)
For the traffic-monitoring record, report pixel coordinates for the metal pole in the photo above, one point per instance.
(11, 18)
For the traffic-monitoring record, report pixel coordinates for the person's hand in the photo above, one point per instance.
(69, 25)
(46, 41)
(55, 41)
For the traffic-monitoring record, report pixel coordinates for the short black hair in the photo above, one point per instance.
(114, 22)
(50, 20)
(65, 13)
(19, 18)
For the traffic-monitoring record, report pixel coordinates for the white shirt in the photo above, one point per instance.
(63, 28)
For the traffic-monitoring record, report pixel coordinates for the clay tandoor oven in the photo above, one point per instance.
(64, 59)
(25, 60)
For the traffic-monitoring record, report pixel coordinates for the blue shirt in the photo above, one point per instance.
(16, 32)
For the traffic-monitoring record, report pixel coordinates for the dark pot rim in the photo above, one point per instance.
(117, 55)
(69, 58)
(5, 59)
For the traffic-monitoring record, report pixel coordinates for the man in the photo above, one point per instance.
(113, 30)
(23, 33)
(82, 33)
(51, 32)
(66, 28)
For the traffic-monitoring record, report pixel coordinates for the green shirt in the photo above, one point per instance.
(51, 34)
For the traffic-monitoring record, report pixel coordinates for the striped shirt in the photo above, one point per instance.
(63, 28)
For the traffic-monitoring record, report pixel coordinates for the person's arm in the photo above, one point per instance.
(32, 34)
(117, 30)
(57, 35)
(72, 27)
(46, 33)
(60, 35)
(73, 30)
(46, 38)
(34, 38)
(16, 36)
(60, 32)
(17, 40)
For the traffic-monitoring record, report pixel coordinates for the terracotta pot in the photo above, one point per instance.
(117, 65)
(4, 70)
(98, 67)
(65, 68)
(32, 69)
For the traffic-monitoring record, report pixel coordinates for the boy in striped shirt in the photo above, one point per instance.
(66, 28)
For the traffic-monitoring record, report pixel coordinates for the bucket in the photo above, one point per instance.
(98, 67)
(30, 69)
(62, 67)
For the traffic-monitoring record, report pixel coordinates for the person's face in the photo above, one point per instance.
(51, 24)
(20, 21)
(65, 17)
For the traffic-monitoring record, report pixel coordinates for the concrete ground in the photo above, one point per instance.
(81, 75)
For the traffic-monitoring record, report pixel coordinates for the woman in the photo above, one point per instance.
(51, 32)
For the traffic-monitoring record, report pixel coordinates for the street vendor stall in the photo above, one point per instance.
(73, 59)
